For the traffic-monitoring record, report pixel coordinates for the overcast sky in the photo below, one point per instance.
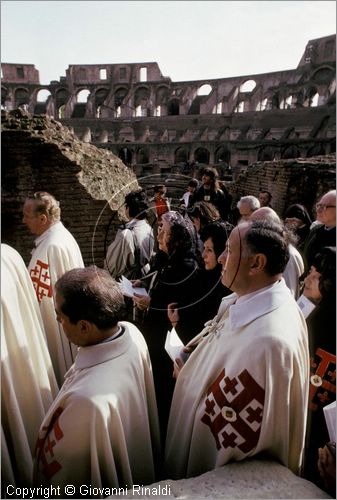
(190, 40)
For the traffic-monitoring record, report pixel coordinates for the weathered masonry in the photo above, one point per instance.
(153, 124)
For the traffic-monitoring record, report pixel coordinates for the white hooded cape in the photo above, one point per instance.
(28, 384)
(244, 389)
(56, 252)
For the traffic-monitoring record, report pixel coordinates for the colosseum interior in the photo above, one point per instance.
(271, 131)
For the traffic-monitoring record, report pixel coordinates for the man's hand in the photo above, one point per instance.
(327, 467)
(142, 301)
(173, 313)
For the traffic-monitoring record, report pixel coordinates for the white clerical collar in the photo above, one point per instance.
(46, 233)
(119, 331)
(248, 296)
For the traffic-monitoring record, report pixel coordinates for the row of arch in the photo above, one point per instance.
(201, 155)
(163, 101)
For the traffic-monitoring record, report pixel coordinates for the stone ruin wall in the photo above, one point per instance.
(90, 183)
(298, 180)
(38, 153)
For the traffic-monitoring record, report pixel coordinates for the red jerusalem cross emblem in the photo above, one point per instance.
(44, 451)
(41, 280)
(233, 411)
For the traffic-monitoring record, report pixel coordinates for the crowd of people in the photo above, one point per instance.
(102, 403)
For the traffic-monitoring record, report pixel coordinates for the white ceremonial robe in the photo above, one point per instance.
(120, 257)
(244, 389)
(28, 384)
(294, 269)
(102, 429)
(56, 252)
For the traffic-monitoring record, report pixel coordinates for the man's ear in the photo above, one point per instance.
(258, 263)
(43, 219)
(85, 327)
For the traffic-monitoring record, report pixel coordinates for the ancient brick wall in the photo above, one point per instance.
(90, 183)
(289, 181)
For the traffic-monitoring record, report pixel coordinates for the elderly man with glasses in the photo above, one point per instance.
(324, 233)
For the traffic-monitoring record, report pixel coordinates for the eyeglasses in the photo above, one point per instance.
(320, 206)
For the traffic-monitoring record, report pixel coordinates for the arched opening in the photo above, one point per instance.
(173, 107)
(290, 152)
(181, 155)
(247, 86)
(262, 105)
(4, 94)
(80, 106)
(195, 106)
(311, 97)
(21, 97)
(125, 154)
(316, 150)
(323, 75)
(161, 95)
(142, 156)
(126, 134)
(201, 155)
(332, 87)
(275, 101)
(60, 111)
(141, 100)
(42, 95)
(205, 89)
(119, 96)
(240, 107)
(41, 105)
(100, 96)
(217, 109)
(62, 96)
(287, 102)
(222, 155)
(82, 96)
(266, 154)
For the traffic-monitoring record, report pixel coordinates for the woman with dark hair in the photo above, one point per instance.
(201, 214)
(210, 192)
(211, 290)
(320, 289)
(298, 220)
(176, 280)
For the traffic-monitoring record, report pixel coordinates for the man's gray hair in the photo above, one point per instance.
(249, 200)
(45, 203)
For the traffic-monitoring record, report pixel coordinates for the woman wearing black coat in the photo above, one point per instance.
(176, 280)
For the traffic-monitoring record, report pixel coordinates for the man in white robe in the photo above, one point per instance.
(55, 252)
(243, 391)
(102, 429)
(28, 384)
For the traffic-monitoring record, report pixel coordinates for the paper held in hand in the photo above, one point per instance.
(174, 346)
(329, 412)
(305, 305)
(127, 289)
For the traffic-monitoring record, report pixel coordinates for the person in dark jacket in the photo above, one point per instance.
(320, 288)
(210, 192)
(210, 288)
(323, 234)
(298, 220)
(176, 281)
